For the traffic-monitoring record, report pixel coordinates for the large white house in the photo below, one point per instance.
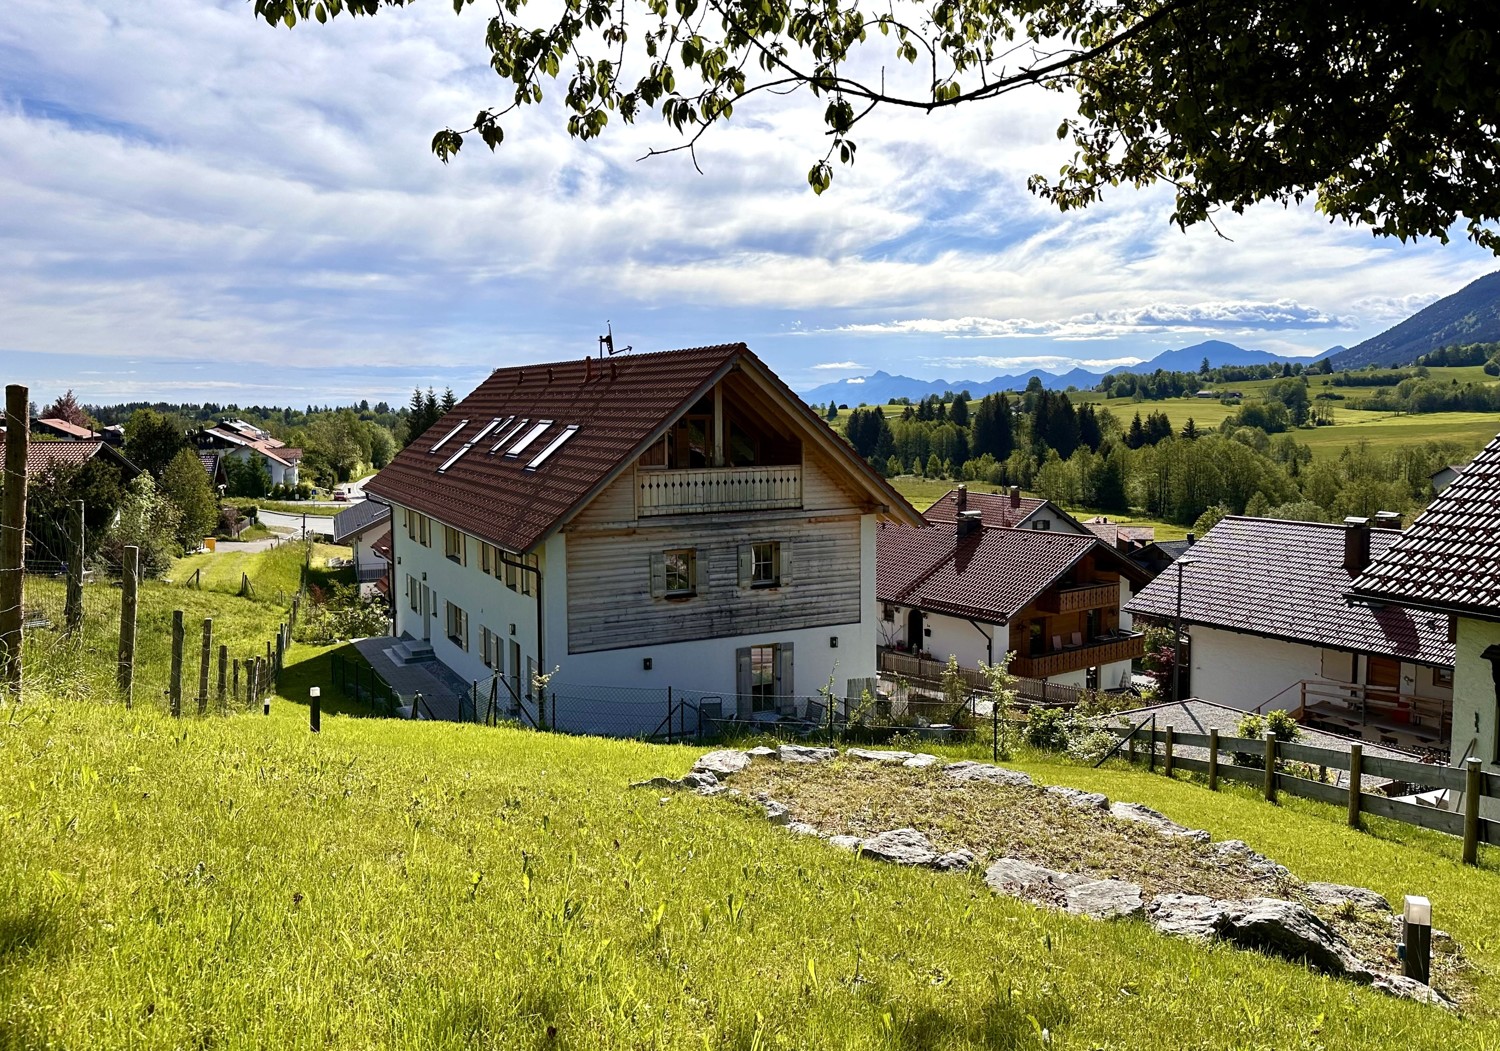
(677, 519)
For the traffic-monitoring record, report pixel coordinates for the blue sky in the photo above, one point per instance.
(196, 206)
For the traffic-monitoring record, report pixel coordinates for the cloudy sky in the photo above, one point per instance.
(194, 205)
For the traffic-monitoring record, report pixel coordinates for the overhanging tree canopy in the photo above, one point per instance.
(1384, 112)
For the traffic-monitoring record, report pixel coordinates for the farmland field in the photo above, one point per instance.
(239, 883)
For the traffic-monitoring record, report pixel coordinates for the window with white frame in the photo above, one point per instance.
(457, 626)
(765, 564)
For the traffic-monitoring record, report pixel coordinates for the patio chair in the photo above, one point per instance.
(1077, 639)
(1057, 644)
(815, 719)
(710, 716)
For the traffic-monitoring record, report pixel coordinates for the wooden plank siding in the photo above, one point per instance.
(609, 552)
(610, 605)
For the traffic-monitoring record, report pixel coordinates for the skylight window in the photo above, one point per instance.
(445, 438)
(537, 429)
(482, 435)
(552, 446)
(507, 436)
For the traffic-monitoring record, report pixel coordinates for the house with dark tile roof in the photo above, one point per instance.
(1263, 603)
(1007, 510)
(361, 525)
(676, 519)
(1446, 568)
(977, 592)
(43, 456)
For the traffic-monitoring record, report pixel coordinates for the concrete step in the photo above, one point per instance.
(412, 651)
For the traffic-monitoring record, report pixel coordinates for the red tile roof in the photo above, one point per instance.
(1449, 560)
(1286, 580)
(40, 456)
(991, 574)
(619, 404)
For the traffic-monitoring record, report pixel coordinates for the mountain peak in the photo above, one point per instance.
(1470, 315)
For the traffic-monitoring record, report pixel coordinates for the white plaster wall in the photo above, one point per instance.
(487, 601)
(1243, 671)
(1474, 703)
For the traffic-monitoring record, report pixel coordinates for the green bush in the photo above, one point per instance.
(1048, 728)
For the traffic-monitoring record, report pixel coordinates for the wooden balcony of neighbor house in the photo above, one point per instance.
(1123, 646)
(709, 489)
(1095, 595)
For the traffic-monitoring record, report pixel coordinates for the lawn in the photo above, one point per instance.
(923, 492)
(275, 574)
(239, 883)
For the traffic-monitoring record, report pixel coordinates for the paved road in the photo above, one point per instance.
(318, 525)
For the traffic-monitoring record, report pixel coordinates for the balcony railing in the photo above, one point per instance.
(1374, 713)
(1125, 646)
(1078, 599)
(709, 489)
(929, 673)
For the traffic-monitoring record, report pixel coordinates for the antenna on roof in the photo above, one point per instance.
(607, 342)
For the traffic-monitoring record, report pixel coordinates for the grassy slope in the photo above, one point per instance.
(239, 883)
(277, 570)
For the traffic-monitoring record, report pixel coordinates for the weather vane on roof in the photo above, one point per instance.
(607, 341)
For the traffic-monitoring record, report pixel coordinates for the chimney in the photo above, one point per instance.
(1015, 496)
(961, 498)
(588, 368)
(1192, 538)
(1356, 544)
(1388, 520)
(968, 523)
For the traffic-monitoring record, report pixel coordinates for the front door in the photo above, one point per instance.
(426, 613)
(914, 631)
(1383, 684)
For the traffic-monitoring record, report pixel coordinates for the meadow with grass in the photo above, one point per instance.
(238, 882)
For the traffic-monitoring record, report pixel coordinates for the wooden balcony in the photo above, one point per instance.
(711, 489)
(1077, 599)
(1125, 646)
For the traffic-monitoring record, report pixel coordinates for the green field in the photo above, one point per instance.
(238, 883)
(273, 572)
(921, 493)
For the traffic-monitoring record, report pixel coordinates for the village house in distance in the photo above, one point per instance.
(637, 522)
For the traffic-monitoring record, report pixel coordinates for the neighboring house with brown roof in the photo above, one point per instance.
(52, 428)
(1446, 566)
(1264, 604)
(976, 593)
(1008, 510)
(43, 456)
(676, 519)
(361, 525)
(213, 466)
(240, 440)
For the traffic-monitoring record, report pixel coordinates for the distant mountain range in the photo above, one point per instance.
(881, 387)
(1470, 315)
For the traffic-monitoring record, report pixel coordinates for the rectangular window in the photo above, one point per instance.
(485, 559)
(537, 429)
(1442, 678)
(682, 571)
(762, 679)
(458, 626)
(484, 645)
(512, 575)
(411, 590)
(453, 545)
(1041, 523)
(765, 564)
(528, 574)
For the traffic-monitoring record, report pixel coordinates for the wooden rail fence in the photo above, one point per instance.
(1471, 782)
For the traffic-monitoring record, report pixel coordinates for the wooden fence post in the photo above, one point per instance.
(223, 670)
(130, 575)
(1356, 782)
(73, 604)
(13, 537)
(234, 686)
(1473, 778)
(280, 654)
(1166, 762)
(1270, 767)
(205, 660)
(174, 684)
(1213, 760)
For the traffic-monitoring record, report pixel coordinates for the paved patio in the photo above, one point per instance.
(441, 690)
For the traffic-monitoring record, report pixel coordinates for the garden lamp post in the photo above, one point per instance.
(1182, 563)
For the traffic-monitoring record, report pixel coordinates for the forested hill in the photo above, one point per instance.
(1470, 315)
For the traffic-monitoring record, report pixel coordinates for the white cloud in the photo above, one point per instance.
(1045, 362)
(838, 365)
